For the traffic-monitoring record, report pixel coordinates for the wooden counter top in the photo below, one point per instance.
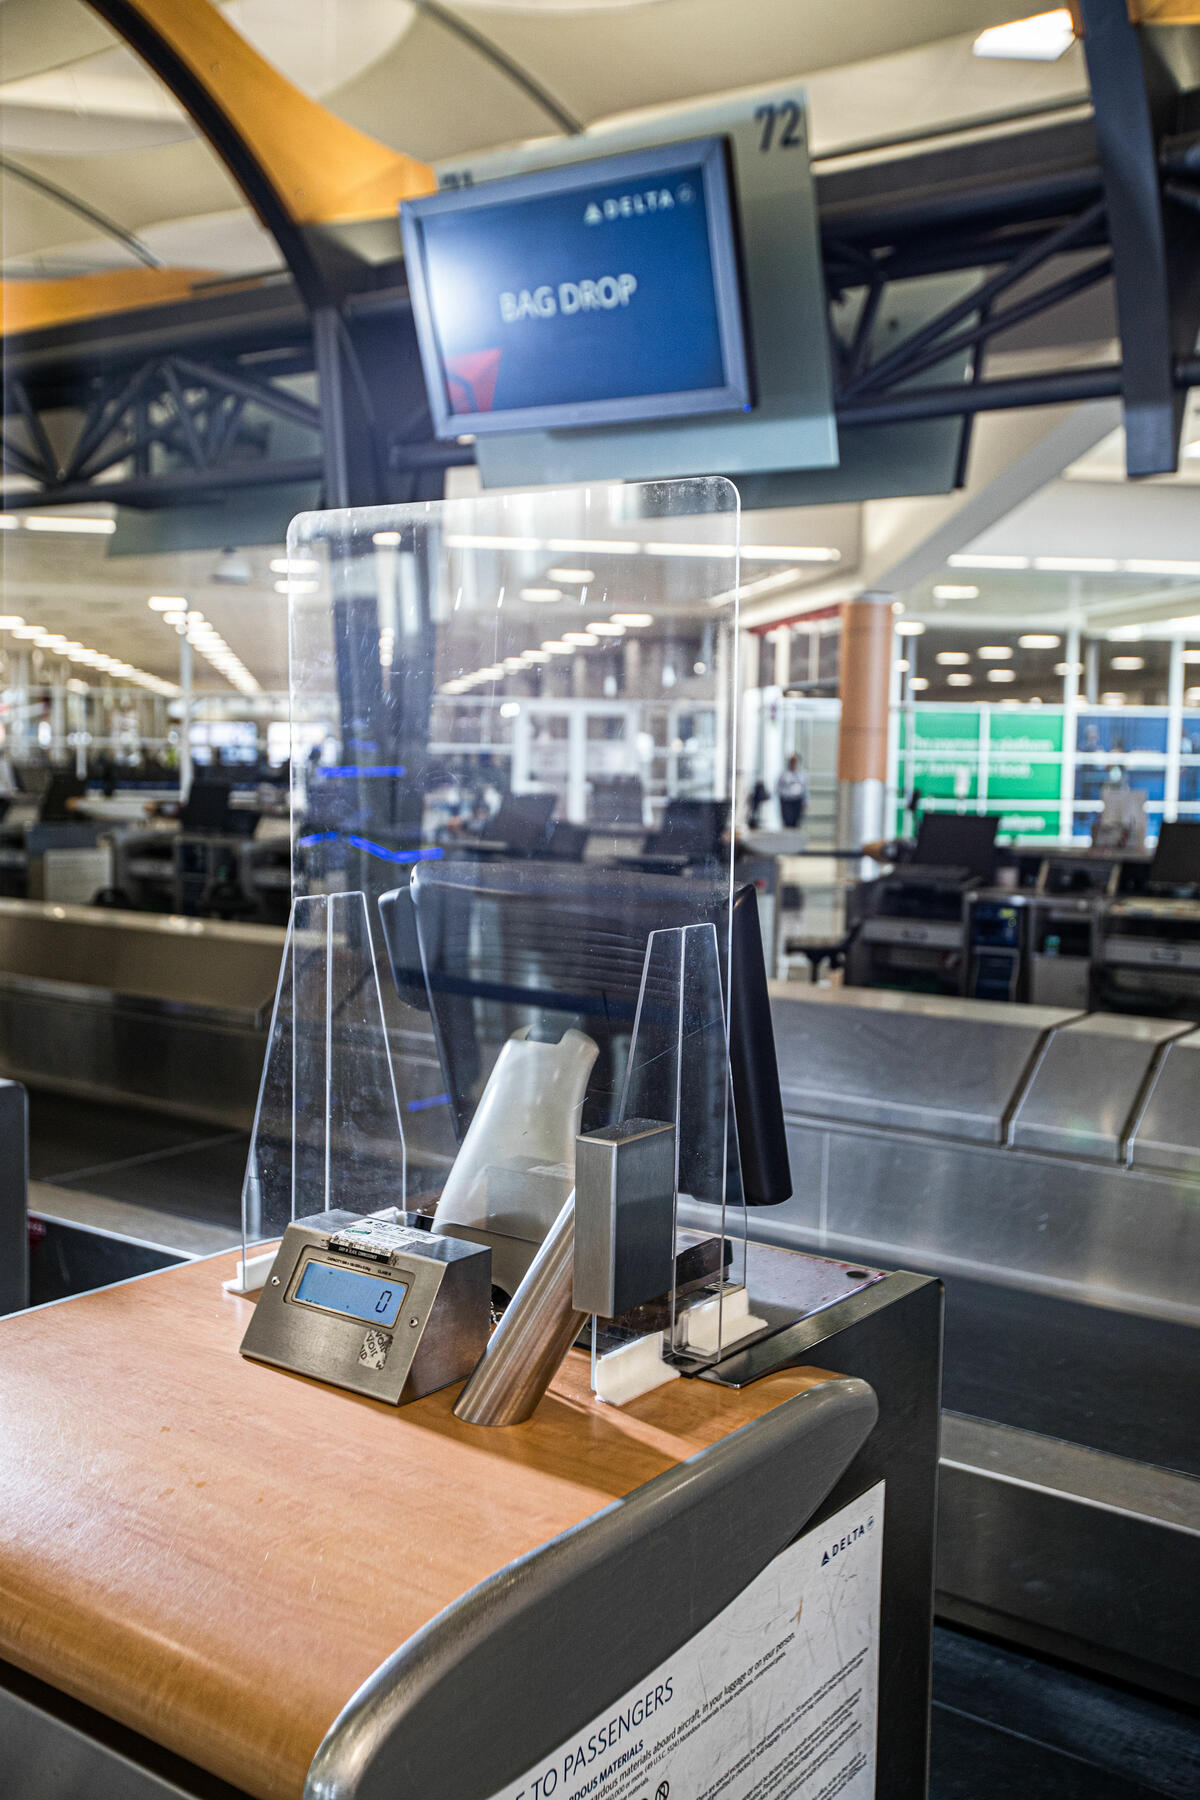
(218, 1554)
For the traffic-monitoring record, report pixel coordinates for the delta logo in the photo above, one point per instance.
(637, 206)
(851, 1538)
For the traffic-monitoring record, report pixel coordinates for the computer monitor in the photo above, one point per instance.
(54, 807)
(1176, 861)
(206, 807)
(590, 294)
(958, 841)
(487, 948)
(691, 828)
(522, 822)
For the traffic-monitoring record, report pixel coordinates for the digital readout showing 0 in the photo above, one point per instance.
(339, 1290)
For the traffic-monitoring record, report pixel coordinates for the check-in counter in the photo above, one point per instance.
(160, 1011)
(1046, 1164)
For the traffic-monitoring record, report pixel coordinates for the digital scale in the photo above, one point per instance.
(376, 1305)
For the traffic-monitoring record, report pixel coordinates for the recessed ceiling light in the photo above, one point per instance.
(1002, 675)
(1042, 38)
(586, 638)
(1077, 565)
(535, 656)
(958, 680)
(1128, 662)
(385, 540)
(67, 523)
(308, 565)
(801, 553)
(951, 658)
(910, 628)
(165, 602)
(573, 577)
(918, 682)
(995, 652)
(593, 546)
(290, 586)
(1039, 640)
(635, 621)
(968, 559)
(723, 551)
(1112, 699)
(903, 666)
(1189, 656)
(1066, 668)
(1159, 565)
(513, 662)
(948, 591)
(556, 647)
(541, 596)
(468, 540)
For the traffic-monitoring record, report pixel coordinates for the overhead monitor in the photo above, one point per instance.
(599, 293)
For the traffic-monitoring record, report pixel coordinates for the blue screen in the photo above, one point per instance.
(591, 296)
(345, 1291)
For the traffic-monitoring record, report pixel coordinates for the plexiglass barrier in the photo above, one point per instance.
(513, 740)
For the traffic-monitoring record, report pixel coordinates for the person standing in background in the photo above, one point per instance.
(792, 791)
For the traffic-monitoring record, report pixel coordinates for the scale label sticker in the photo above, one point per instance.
(776, 1699)
(375, 1347)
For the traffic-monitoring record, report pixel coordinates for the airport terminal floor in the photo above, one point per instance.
(599, 900)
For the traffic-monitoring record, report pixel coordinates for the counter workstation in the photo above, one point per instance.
(1045, 1162)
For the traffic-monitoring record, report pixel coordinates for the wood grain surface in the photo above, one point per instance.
(218, 1554)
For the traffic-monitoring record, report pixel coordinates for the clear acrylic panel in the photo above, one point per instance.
(518, 721)
(327, 1130)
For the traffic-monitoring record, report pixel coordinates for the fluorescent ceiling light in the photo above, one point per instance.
(1039, 640)
(902, 666)
(994, 652)
(1189, 656)
(308, 565)
(603, 628)
(910, 628)
(1002, 675)
(33, 631)
(385, 539)
(979, 560)
(1157, 565)
(802, 553)
(466, 540)
(70, 523)
(541, 596)
(1078, 565)
(1112, 699)
(947, 591)
(166, 602)
(510, 662)
(705, 550)
(1125, 633)
(289, 586)
(9, 521)
(535, 656)
(592, 546)
(918, 682)
(1043, 38)
(635, 621)
(1190, 623)
(952, 658)
(586, 638)
(1128, 662)
(958, 680)
(555, 648)
(11, 621)
(573, 577)
(1066, 668)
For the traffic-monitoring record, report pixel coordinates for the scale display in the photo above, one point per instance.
(340, 1290)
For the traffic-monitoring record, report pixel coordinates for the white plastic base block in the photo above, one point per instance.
(251, 1274)
(622, 1375)
(715, 1324)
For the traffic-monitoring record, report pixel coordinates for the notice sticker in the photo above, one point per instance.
(776, 1699)
(375, 1347)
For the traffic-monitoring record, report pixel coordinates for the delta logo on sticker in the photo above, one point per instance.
(375, 1347)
